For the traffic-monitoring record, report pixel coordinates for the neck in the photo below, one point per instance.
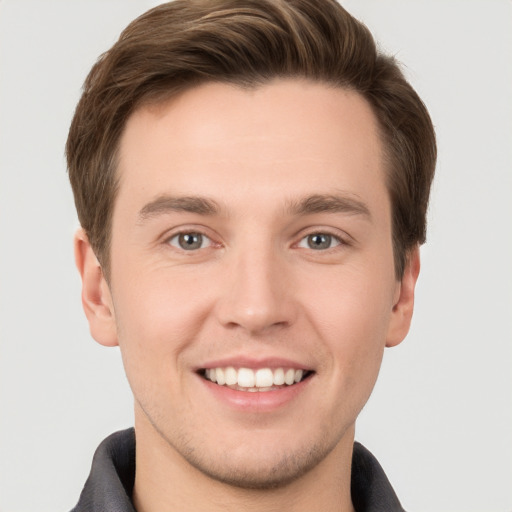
(165, 481)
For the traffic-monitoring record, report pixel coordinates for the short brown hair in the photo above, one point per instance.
(247, 42)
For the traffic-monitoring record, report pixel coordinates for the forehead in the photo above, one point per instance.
(282, 138)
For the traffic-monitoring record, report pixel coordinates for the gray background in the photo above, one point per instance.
(440, 419)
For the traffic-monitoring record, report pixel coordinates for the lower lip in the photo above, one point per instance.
(257, 401)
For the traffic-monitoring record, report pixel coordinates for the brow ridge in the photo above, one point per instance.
(165, 204)
(316, 203)
(329, 203)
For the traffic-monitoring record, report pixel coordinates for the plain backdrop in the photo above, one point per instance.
(440, 418)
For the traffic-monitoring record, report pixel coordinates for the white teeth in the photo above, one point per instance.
(278, 377)
(289, 377)
(231, 376)
(262, 379)
(246, 378)
(221, 379)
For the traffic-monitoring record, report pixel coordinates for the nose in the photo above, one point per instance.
(257, 293)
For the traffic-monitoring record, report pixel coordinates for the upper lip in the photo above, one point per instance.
(254, 363)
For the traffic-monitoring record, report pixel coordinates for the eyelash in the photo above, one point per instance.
(339, 241)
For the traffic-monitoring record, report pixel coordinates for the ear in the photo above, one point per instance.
(403, 307)
(96, 297)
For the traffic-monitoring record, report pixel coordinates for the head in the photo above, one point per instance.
(181, 44)
(253, 179)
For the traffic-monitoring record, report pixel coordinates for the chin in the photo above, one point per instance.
(249, 470)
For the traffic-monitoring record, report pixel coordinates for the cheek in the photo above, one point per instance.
(352, 299)
(351, 313)
(160, 303)
(157, 318)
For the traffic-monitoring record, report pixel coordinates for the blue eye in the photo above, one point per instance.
(190, 241)
(319, 241)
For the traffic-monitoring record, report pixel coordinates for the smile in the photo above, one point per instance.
(255, 380)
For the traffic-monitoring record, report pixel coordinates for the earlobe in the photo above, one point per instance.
(403, 307)
(96, 297)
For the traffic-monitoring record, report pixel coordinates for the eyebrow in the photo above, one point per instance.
(317, 203)
(326, 203)
(166, 204)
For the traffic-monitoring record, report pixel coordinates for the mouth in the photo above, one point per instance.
(255, 380)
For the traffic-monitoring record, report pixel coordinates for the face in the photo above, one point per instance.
(252, 286)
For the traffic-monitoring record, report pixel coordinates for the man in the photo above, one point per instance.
(252, 180)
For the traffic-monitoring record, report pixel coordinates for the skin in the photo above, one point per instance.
(255, 289)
